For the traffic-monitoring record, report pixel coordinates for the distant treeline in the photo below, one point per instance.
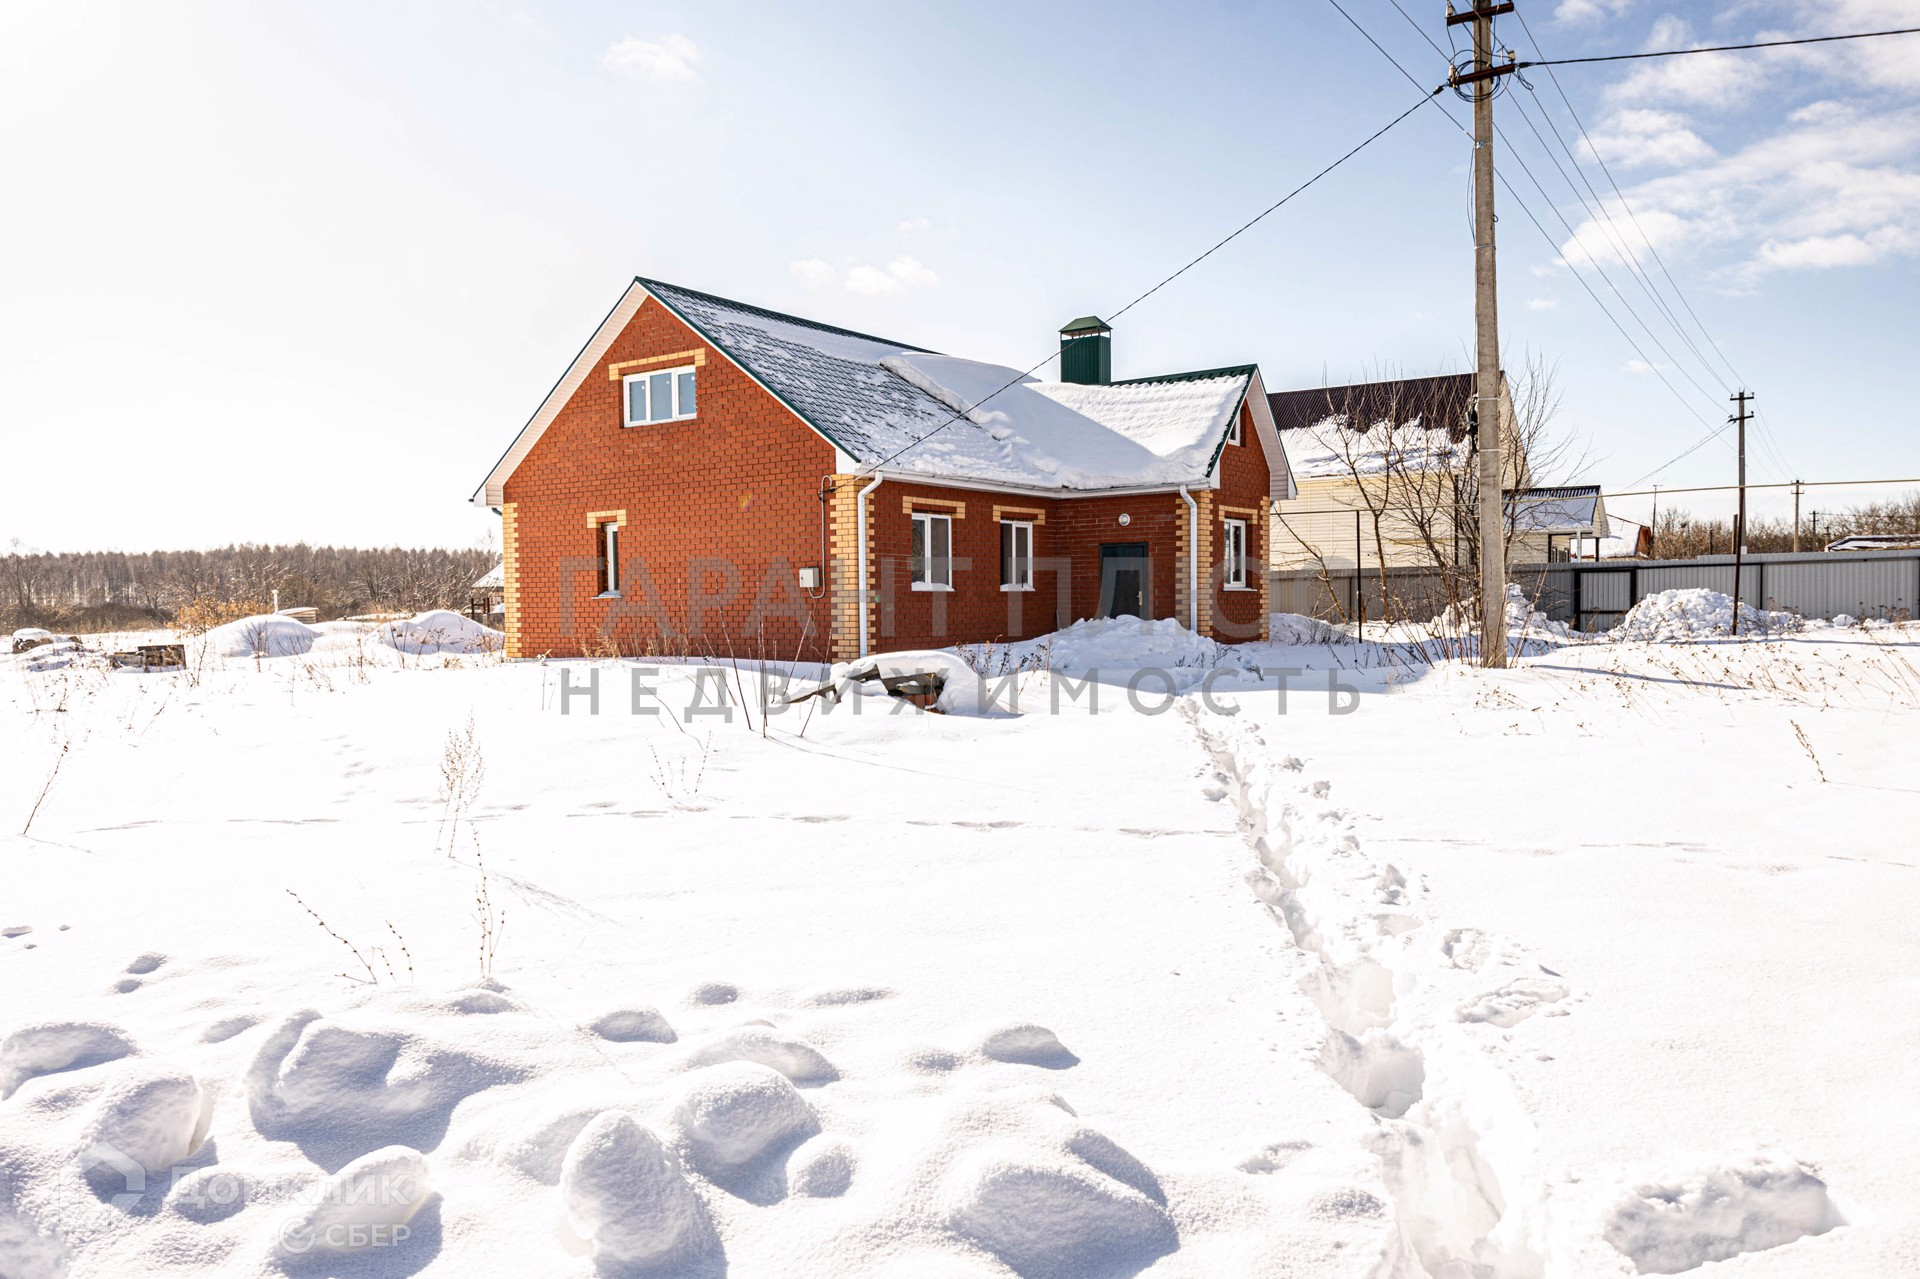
(1681, 535)
(118, 590)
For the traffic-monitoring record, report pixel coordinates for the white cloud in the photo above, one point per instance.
(1543, 304)
(812, 272)
(911, 225)
(1590, 10)
(1715, 80)
(669, 58)
(1639, 366)
(1635, 138)
(904, 272)
(1818, 252)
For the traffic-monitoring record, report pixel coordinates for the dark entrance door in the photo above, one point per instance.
(1123, 579)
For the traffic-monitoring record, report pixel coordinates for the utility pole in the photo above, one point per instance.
(1653, 530)
(1484, 79)
(1740, 398)
(1797, 486)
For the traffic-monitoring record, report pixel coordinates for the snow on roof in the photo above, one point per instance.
(1574, 509)
(1876, 542)
(1329, 448)
(494, 579)
(906, 409)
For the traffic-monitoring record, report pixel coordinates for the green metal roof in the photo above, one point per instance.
(1231, 370)
(1087, 324)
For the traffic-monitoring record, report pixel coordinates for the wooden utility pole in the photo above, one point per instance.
(1797, 486)
(1484, 79)
(1740, 519)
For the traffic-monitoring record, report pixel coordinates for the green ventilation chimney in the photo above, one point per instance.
(1086, 351)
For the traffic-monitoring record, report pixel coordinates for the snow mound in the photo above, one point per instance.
(822, 1168)
(1027, 1045)
(626, 1196)
(1122, 643)
(633, 1025)
(152, 1120)
(46, 1047)
(1054, 1219)
(363, 1206)
(264, 635)
(1697, 613)
(799, 1061)
(1716, 1213)
(348, 1089)
(1296, 628)
(1523, 620)
(734, 1114)
(441, 631)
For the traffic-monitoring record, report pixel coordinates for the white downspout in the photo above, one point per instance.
(860, 532)
(1193, 560)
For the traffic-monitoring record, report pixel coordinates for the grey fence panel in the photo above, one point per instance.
(1594, 597)
(1812, 584)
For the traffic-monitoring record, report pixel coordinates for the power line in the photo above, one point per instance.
(1769, 440)
(1728, 488)
(1219, 244)
(1501, 176)
(1722, 48)
(1599, 216)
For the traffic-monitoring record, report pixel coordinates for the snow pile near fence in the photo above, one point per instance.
(1697, 613)
(264, 635)
(441, 631)
(1523, 619)
(1296, 628)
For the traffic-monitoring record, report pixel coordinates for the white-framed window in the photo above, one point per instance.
(932, 562)
(610, 557)
(1016, 555)
(1233, 554)
(1233, 432)
(663, 395)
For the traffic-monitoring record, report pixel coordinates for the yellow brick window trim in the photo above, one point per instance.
(596, 518)
(934, 505)
(1240, 512)
(696, 358)
(1033, 514)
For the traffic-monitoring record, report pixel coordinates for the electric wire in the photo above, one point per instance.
(1551, 243)
(1219, 244)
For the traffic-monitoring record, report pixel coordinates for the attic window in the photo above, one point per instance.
(662, 395)
(1233, 432)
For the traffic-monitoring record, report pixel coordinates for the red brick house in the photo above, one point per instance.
(713, 477)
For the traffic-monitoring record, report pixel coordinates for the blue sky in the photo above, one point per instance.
(277, 272)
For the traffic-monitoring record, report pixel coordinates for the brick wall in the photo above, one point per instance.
(1244, 493)
(720, 513)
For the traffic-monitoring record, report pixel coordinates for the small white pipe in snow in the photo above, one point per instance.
(860, 532)
(1193, 560)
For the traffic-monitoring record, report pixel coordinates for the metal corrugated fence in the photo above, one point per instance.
(1594, 597)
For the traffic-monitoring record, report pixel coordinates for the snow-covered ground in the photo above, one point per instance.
(1601, 965)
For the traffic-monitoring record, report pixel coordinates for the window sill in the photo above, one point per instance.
(1231, 587)
(1016, 588)
(608, 595)
(930, 586)
(665, 421)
